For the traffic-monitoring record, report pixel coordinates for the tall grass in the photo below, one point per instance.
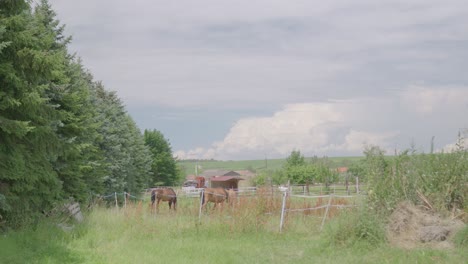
(356, 227)
(43, 243)
(245, 233)
(435, 180)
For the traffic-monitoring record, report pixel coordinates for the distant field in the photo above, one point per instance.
(258, 165)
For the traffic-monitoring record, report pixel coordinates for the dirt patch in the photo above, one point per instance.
(411, 226)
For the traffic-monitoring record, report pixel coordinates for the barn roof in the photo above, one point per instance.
(211, 173)
(226, 178)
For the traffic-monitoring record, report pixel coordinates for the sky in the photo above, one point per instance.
(255, 79)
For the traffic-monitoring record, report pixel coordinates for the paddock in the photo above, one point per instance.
(289, 206)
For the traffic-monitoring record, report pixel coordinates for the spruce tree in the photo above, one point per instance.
(28, 119)
(164, 166)
(127, 158)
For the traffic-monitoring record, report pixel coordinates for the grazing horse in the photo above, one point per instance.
(166, 195)
(214, 195)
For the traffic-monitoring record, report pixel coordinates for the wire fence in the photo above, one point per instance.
(288, 193)
(327, 207)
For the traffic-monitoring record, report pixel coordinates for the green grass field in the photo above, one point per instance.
(271, 164)
(233, 235)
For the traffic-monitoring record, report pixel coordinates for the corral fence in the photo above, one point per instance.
(330, 197)
(312, 189)
(115, 196)
(333, 194)
(318, 189)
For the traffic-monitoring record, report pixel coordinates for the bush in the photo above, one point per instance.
(436, 180)
(360, 226)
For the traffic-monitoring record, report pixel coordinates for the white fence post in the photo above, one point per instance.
(125, 199)
(115, 196)
(285, 194)
(326, 211)
(357, 184)
(202, 193)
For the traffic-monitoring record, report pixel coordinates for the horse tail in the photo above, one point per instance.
(202, 196)
(153, 196)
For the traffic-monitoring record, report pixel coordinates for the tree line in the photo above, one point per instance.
(438, 179)
(63, 134)
(296, 170)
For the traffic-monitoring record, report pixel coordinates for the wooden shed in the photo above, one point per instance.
(227, 182)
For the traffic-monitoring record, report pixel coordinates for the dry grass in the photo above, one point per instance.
(413, 226)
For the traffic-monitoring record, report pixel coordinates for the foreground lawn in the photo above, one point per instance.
(134, 235)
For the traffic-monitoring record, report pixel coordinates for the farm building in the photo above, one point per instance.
(227, 182)
(222, 178)
(211, 173)
(247, 175)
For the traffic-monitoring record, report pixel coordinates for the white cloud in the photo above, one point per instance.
(356, 140)
(290, 56)
(460, 143)
(343, 127)
(313, 128)
(454, 147)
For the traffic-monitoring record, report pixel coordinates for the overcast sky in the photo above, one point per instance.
(247, 79)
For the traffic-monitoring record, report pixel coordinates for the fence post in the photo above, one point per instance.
(115, 196)
(201, 204)
(357, 185)
(326, 211)
(125, 199)
(285, 194)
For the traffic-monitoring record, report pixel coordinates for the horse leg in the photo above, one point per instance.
(170, 204)
(157, 206)
(204, 205)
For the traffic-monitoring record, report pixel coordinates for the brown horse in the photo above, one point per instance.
(166, 195)
(214, 195)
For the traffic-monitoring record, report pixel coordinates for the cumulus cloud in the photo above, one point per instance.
(313, 128)
(454, 146)
(341, 127)
(396, 70)
(461, 143)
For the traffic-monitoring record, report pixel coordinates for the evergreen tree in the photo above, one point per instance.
(141, 159)
(62, 135)
(164, 166)
(128, 159)
(110, 113)
(28, 119)
(79, 162)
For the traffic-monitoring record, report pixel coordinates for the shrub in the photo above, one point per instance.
(359, 226)
(436, 180)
